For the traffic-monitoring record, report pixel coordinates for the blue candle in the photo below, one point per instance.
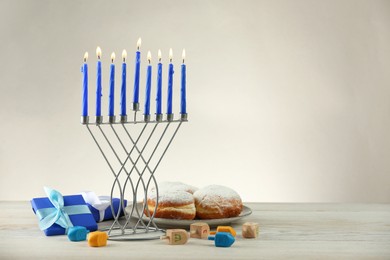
(123, 87)
(170, 83)
(112, 84)
(137, 70)
(99, 83)
(148, 85)
(159, 85)
(183, 105)
(84, 70)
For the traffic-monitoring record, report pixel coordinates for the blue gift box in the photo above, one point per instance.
(107, 212)
(84, 219)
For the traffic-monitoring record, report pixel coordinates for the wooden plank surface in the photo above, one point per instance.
(294, 231)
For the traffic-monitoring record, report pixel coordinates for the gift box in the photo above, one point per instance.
(56, 213)
(100, 206)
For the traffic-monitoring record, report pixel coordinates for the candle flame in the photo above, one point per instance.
(183, 55)
(98, 52)
(85, 56)
(112, 57)
(170, 54)
(149, 56)
(139, 43)
(124, 55)
(159, 55)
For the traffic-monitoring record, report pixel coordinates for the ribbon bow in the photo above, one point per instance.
(100, 203)
(60, 213)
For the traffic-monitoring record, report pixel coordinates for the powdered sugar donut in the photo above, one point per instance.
(216, 201)
(175, 201)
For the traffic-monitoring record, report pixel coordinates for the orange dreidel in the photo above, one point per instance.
(199, 230)
(97, 239)
(227, 229)
(250, 230)
(176, 236)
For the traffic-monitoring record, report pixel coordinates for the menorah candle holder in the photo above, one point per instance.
(115, 138)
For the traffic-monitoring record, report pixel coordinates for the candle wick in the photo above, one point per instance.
(159, 59)
(85, 60)
(124, 60)
(137, 48)
(170, 60)
(183, 61)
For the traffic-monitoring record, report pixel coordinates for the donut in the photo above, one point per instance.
(216, 201)
(175, 201)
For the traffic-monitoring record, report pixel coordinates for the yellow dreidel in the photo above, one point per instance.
(176, 236)
(227, 229)
(250, 230)
(97, 239)
(199, 230)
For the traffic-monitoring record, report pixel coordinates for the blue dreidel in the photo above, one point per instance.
(223, 239)
(77, 233)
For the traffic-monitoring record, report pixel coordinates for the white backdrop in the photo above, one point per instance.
(287, 100)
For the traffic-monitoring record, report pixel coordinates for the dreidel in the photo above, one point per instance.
(227, 229)
(77, 233)
(223, 239)
(250, 230)
(97, 239)
(176, 236)
(199, 230)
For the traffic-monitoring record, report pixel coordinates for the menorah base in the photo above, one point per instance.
(139, 234)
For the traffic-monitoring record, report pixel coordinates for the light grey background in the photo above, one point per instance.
(288, 100)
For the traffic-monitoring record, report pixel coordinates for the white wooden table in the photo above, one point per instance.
(300, 231)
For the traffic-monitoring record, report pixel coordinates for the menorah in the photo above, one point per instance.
(118, 142)
(139, 178)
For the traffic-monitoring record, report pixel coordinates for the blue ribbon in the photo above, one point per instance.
(60, 213)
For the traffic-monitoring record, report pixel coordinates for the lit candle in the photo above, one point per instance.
(148, 85)
(159, 85)
(84, 70)
(183, 107)
(136, 77)
(123, 87)
(112, 84)
(170, 83)
(99, 83)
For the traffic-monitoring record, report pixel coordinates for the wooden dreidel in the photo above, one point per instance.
(223, 239)
(250, 230)
(227, 229)
(97, 239)
(176, 236)
(199, 230)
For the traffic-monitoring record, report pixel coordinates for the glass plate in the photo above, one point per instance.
(180, 223)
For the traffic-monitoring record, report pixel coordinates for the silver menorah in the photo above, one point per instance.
(133, 150)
